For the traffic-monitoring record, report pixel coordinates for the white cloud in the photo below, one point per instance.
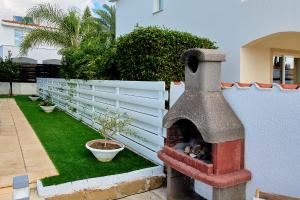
(10, 8)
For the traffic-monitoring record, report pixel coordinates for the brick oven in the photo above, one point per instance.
(205, 138)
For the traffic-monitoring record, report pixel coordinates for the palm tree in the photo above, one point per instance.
(59, 28)
(107, 17)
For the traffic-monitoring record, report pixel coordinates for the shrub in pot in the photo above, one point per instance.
(34, 97)
(111, 123)
(47, 105)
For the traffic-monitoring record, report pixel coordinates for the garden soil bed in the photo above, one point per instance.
(102, 146)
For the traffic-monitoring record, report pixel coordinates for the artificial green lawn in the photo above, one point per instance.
(64, 139)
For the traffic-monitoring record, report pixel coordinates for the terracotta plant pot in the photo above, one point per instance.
(34, 98)
(104, 154)
(48, 109)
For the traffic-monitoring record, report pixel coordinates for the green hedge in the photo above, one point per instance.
(153, 53)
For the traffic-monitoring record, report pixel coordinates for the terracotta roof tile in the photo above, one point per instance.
(244, 84)
(226, 85)
(177, 82)
(24, 24)
(289, 86)
(264, 85)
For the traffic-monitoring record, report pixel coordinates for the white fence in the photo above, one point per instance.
(144, 102)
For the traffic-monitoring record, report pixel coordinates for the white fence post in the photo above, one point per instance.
(77, 102)
(93, 102)
(144, 101)
(118, 99)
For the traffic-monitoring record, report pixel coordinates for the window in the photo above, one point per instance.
(19, 35)
(18, 18)
(286, 69)
(26, 20)
(157, 6)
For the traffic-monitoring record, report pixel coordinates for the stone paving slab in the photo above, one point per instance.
(6, 193)
(145, 187)
(158, 194)
(20, 150)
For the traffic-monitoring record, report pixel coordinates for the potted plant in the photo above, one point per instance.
(47, 105)
(111, 123)
(34, 97)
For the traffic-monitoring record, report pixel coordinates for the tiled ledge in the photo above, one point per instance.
(261, 86)
(113, 182)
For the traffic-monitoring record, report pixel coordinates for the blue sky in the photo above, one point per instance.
(19, 7)
(98, 3)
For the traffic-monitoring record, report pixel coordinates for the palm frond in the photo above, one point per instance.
(47, 14)
(104, 18)
(107, 17)
(91, 28)
(71, 27)
(43, 37)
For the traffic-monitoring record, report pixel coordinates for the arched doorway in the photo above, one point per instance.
(273, 58)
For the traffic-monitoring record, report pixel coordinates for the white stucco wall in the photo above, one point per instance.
(4, 88)
(272, 136)
(231, 23)
(18, 88)
(7, 35)
(256, 64)
(271, 119)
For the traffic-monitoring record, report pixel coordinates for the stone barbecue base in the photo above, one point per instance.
(118, 191)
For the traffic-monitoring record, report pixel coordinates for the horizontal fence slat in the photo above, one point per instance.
(151, 155)
(143, 101)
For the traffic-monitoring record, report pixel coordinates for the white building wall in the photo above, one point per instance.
(7, 43)
(38, 54)
(7, 35)
(231, 23)
(256, 64)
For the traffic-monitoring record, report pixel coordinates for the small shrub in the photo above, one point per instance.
(47, 101)
(153, 53)
(9, 71)
(114, 122)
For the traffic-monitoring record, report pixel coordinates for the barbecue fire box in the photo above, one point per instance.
(204, 148)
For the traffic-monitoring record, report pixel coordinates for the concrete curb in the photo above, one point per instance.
(101, 183)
